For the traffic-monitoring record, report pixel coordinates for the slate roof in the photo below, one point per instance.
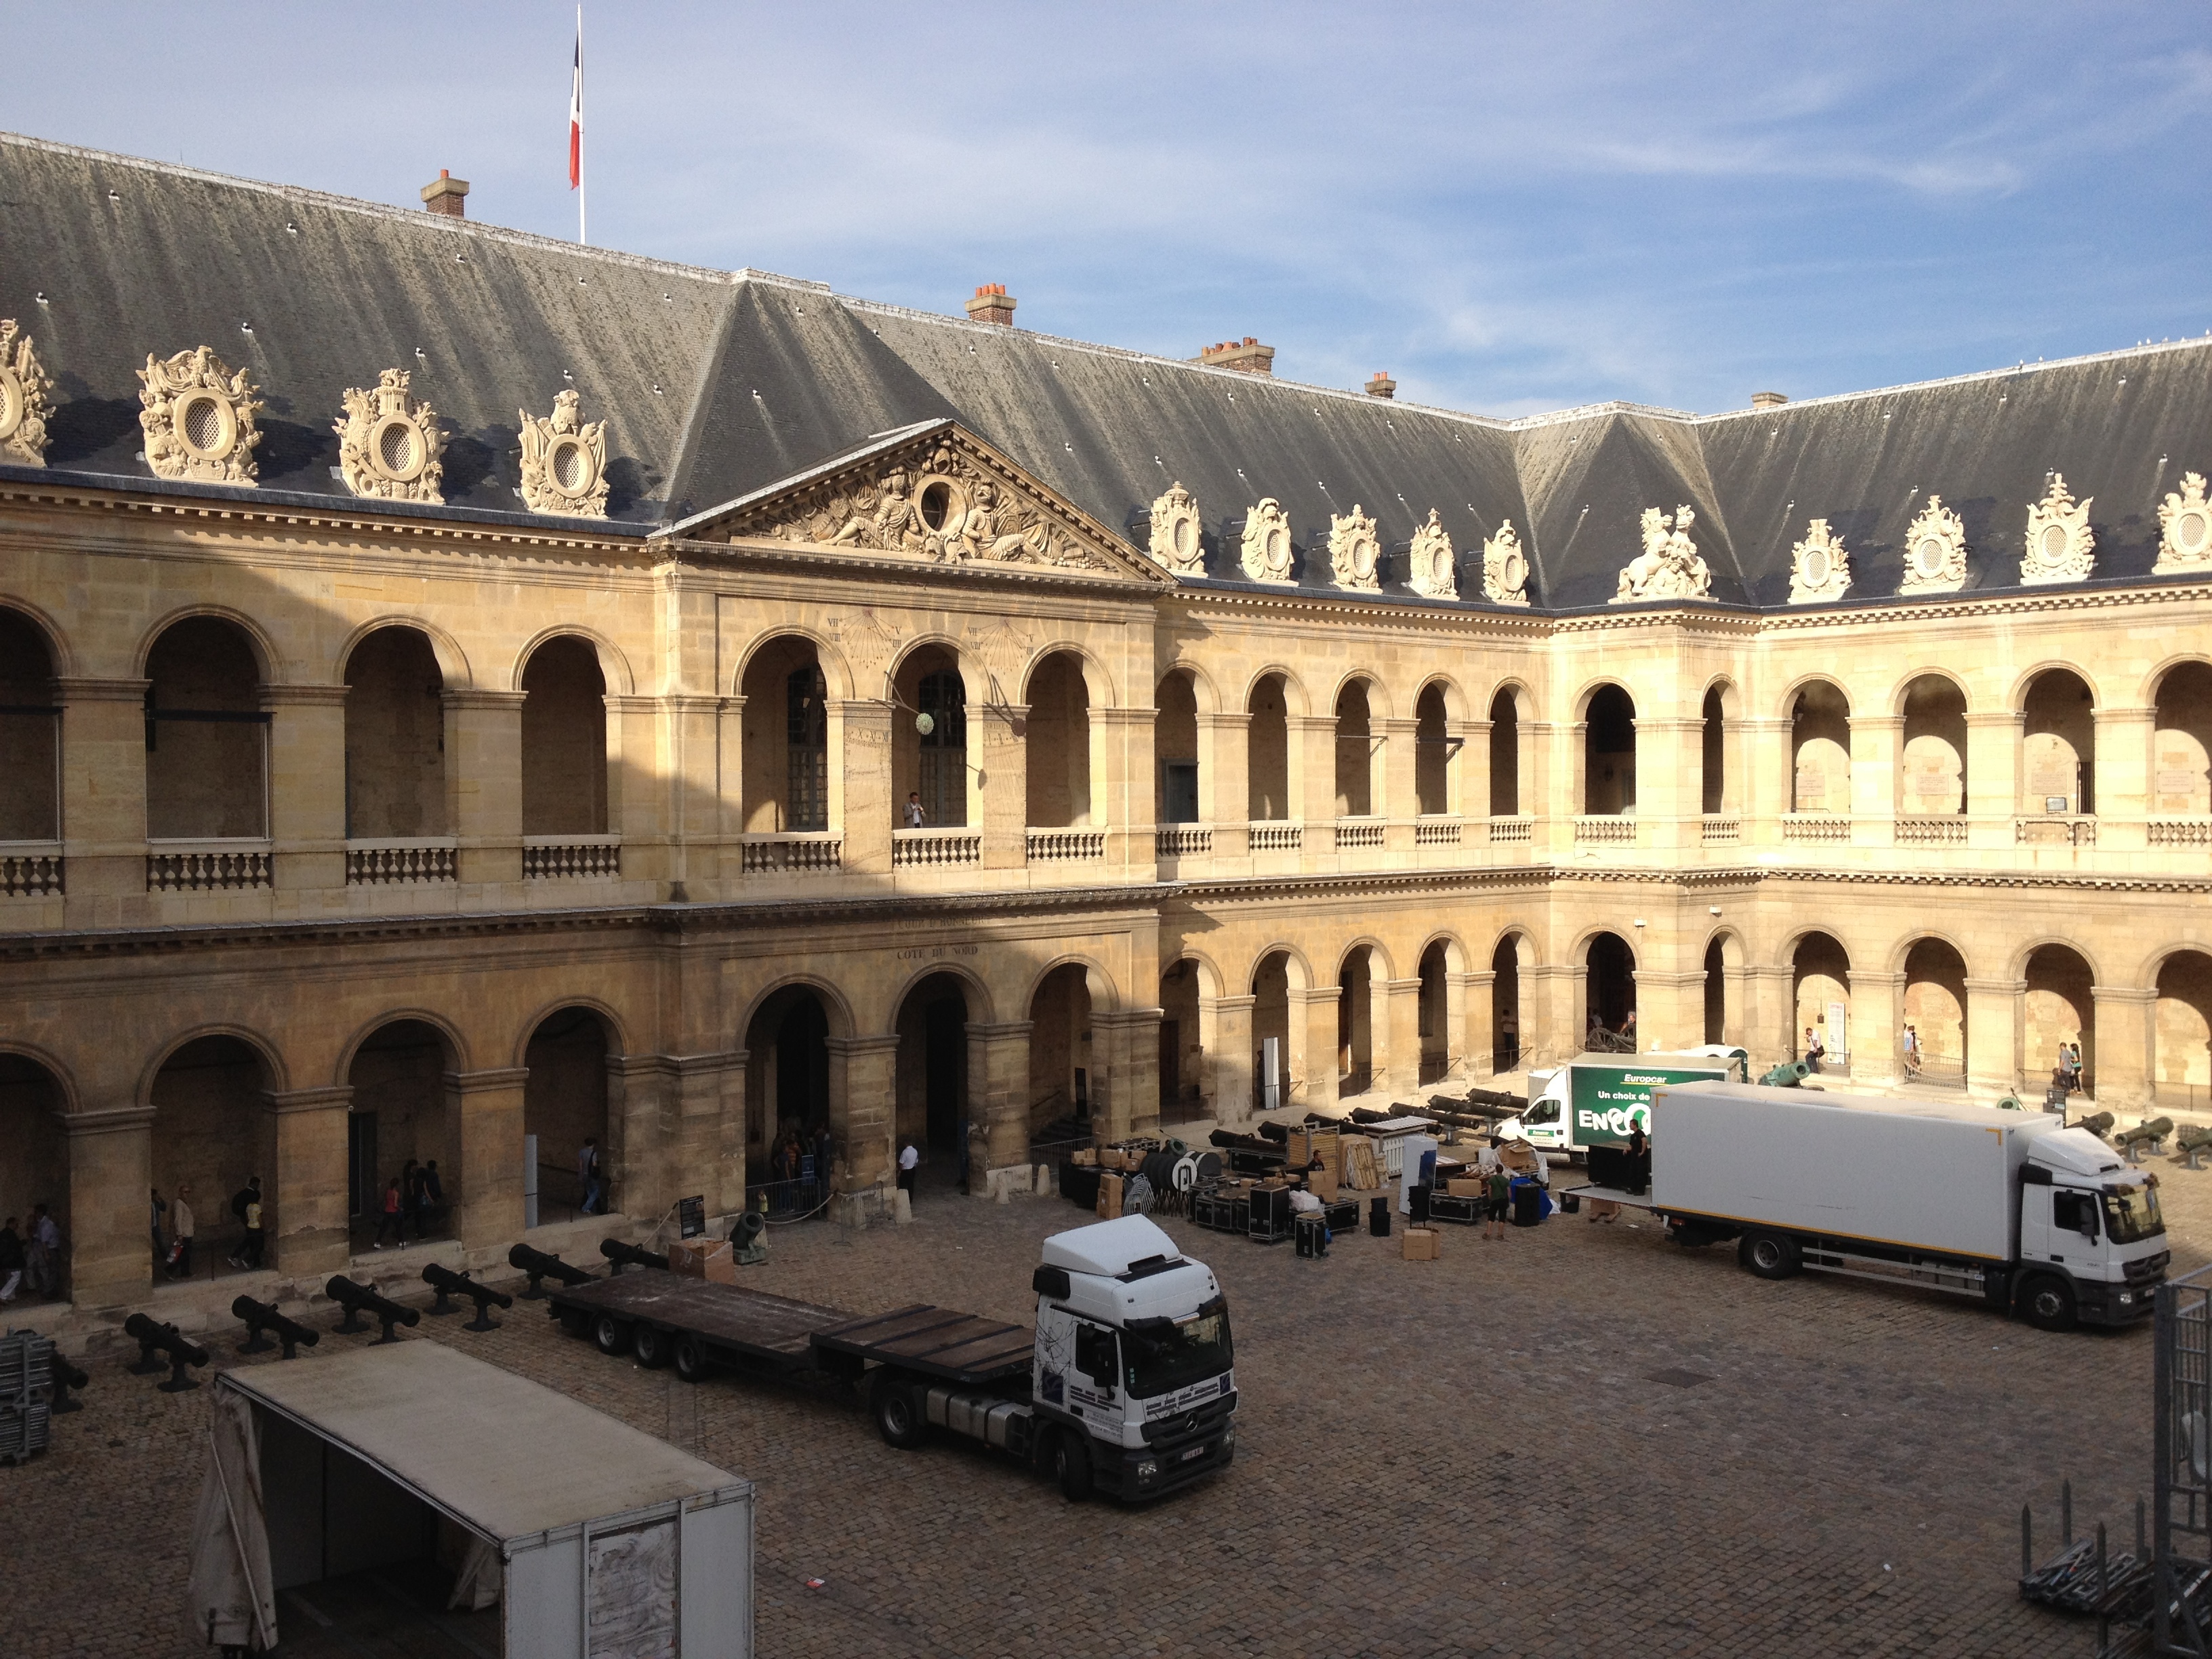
(716, 385)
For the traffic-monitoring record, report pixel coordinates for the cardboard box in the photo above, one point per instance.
(1085, 1157)
(1464, 1189)
(1422, 1244)
(710, 1259)
(1110, 1198)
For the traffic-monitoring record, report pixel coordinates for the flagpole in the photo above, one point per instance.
(581, 236)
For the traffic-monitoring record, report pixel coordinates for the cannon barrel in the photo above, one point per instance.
(260, 1318)
(153, 1338)
(540, 1266)
(357, 1299)
(446, 1283)
(629, 1255)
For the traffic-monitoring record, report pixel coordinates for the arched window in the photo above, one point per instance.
(395, 737)
(2181, 764)
(1609, 754)
(1175, 749)
(564, 740)
(1935, 753)
(30, 734)
(2058, 746)
(206, 735)
(1059, 743)
(1267, 755)
(1355, 754)
(1433, 754)
(1821, 750)
(806, 761)
(1713, 756)
(1505, 756)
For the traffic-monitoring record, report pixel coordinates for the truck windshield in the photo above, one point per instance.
(2131, 1213)
(1541, 1111)
(1163, 1355)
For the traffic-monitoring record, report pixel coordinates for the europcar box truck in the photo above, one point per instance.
(1596, 1100)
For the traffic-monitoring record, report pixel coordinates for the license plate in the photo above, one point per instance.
(1194, 1454)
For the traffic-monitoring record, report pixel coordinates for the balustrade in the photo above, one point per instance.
(206, 867)
(920, 848)
(31, 870)
(1065, 846)
(571, 858)
(793, 854)
(406, 863)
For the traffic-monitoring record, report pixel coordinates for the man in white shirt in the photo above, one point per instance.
(908, 1158)
(180, 1229)
(914, 817)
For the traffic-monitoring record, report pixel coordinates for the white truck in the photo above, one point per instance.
(1127, 1386)
(2011, 1208)
(1596, 1099)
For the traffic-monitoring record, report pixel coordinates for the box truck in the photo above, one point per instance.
(2011, 1208)
(1594, 1100)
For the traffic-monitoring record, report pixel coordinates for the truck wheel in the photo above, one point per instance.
(691, 1362)
(1071, 1466)
(900, 1418)
(1770, 1256)
(651, 1345)
(611, 1334)
(2047, 1303)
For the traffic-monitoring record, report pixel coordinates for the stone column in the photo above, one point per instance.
(1225, 799)
(483, 783)
(303, 1187)
(730, 804)
(2125, 1081)
(998, 1094)
(1472, 1040)
(1127, 1046)
(1765, 790)
(1311, 1063)
(1877, 999)
(1467, 774)
(863, 758)
(1669, 783)
(862, 1092)
(1554, 832)
(1230, 1058)
(2124, 740)
(1877, 757)
(665, 790)
(306, 785)
(111, 1170)
(1002, 804)
(1768, 1012)
(103, 804)
(1394, 795)
(1993, 746)
(1670, 1008)
(1122, 788)
(698, 1101)
(1311, 741)
(1993, 1019)
(483, 1112)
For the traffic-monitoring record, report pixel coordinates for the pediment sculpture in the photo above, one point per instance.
(23, 407)
(1820, 568)
(1355, 551)
(1504, 566)
(1433, 567)
(1178, 540)
(1935, 552)
(2061, 546)
(1266, 546)
(2185, 539)
(389, 444)
(564, 460)
(198, 419)
(1670, 567)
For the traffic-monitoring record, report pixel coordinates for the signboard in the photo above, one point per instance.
(1607, 1102)
(1836, 1043)
(691, 1217)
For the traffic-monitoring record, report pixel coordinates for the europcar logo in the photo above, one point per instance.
(1617, 1119)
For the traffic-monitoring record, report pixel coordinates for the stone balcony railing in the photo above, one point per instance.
(1505, 832)
(818, 851)
(1949, 831)
(913, 849)
(1715, 831)
(1815, 829)
(571, 858)
(206, 866)
(1277, 835)
(2179, 832)
(2054, 830)
(1605, 830)
(407, 861)
(1354, 835)
(1065, 846)
(30, 869)
(1437, 832)
(1183, 840)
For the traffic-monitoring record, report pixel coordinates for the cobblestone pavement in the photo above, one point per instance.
(1467, 1455)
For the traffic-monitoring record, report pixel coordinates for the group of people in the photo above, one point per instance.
(2066, 1075)
(417, 1194)
(30, 1259)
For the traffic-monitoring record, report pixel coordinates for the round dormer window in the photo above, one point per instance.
(1365, 555)
(2051, 544)
(1185, 537)
(1276, 549)
(571, 466)
(1818, 566)
(2190, 529)
(11, 403)
(207, 425)
(396, 448)
(1928, 557)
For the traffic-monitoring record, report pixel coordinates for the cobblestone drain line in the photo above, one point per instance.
(1463, 1456)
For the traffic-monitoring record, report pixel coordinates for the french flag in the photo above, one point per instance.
(576, 110)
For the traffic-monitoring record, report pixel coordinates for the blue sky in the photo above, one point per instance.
(1509, 208)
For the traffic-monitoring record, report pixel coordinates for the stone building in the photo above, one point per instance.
(461, 685)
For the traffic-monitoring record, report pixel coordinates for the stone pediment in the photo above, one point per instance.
(935, 493)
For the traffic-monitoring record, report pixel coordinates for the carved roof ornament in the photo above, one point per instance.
(2061, 546)
(23, 408)
(1505, 568)
(1935, 552)
(564, 460)
(1670, 567)
(2185, 541)
(1820, 568)
(1266, 546)
(1355, 551)
(388, 443)
(198, 418)
(1178, 542)
(1434, 567)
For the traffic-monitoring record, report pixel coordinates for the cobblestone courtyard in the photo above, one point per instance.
(1469, 1456)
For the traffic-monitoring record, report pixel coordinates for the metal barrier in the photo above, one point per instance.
(789, 1200)
(2181, 1607)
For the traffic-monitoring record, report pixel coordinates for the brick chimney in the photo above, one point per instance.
(1768, 399)
(1382, 385)
(1246, 356)
(993, 304)
(448, 195)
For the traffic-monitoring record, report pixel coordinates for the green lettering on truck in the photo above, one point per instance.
(1607, 1105)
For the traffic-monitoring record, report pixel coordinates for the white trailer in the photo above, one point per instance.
(411, 1490)
(2009, 1207)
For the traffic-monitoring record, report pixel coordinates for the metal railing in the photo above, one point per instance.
(31, 870)
(570, 858)
(1942, 1071)
(797, 854)
(207, 866)
(912, 848)
(1065, 846)
(401, 863)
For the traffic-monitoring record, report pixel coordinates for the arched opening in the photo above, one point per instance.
(2058, 744)
(395, 737)
(1821, 750)
(1182, 1046)
(2181, 781)
(1175, 749)
(2181, 1032)
(1267, 750)
(1434, 1018)
(207, 1144)
(786, 1082)
(1609, 754)
(1059, 743)
(565, 1105)
(2059, 1013)
(34, 1176)
(1433, 754)
(1715, 1026)
(1935, 752)
(206, 735)
(930, 745)
(1355, 1022)
(1712, 758)
(564, 739)
(1061, 1075)
(1505, 1023)
(1609, 994)
(402, 1126)
(1820, 1000)
(786, 725)
(1271, 1032)
(1355, 752)
(30, 735)
(932, 1075)
(1934, 1036)
(1505, 756)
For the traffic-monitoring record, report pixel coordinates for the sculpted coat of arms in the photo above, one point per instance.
(23, 408)
(1820, 568)
(1178, 541)
(198, 419)
(564, 460)
(2061, 546)
(1434, 570)
(2184, 540)
(389, 444)
(1504, 566)
(944, 508)
(1670, 567)
(1266, 544)
(1355, 551)
(1935, 552)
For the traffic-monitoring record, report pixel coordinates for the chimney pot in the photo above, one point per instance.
(448, 195)
(993, 304)
(1382, 385)
(1247, 356)
(1768, 399)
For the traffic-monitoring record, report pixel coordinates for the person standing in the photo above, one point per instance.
(391, 1219)
(588, 1173)
(1911, 1055)
(912, 815)
(181, 1227)
(909, 1160)
(241, 1201)
(249, 1253)
(43, 1251)
(1815, 1051)
(1501, 1197)
(11, 1261)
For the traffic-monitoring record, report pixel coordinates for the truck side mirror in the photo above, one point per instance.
(1051, 1282)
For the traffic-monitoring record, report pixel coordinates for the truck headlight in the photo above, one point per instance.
(1229, 1438)
(1149, 1469)
(2127, 1297)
